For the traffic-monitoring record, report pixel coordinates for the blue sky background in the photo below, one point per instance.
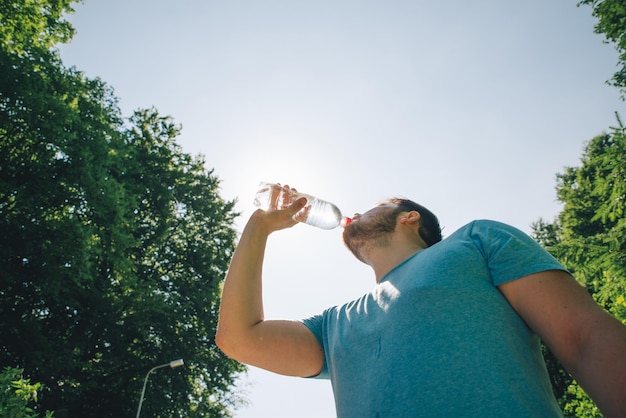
(470, 108)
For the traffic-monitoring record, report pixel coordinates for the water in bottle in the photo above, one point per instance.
(316, 212)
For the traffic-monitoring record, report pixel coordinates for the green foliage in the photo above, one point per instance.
(16, 393)
(113, 242)
(611, 15)
(578, 404)
(593, 220)
(27, 26)
(589, 238)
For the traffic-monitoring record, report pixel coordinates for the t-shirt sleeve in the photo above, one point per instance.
(316, 325)
(510, 253)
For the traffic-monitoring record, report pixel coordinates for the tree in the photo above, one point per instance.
(113, 241)
(16, 393)
(611, 15)
(589, 238)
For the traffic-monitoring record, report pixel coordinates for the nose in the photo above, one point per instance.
(356, 216)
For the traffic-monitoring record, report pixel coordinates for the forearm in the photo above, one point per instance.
(601, 366)
(242, 304)
(589, 342)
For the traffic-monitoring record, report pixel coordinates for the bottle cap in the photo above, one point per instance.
(345, 221)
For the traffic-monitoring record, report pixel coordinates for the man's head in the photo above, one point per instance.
(375, 227)
(429, 229)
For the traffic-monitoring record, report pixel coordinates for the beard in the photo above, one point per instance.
(364, 234)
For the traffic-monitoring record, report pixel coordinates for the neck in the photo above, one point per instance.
(383, 255)
(383, 260)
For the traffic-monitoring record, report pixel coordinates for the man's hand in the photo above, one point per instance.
(282, 209)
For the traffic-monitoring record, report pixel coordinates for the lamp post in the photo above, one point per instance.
(172, 364)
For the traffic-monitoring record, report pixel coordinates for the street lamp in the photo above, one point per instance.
(172, 364)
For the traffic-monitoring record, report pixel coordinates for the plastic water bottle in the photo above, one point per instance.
(316, 212)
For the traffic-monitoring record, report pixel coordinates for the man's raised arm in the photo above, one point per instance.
(285, 347)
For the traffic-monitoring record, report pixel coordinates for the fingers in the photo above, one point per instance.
(275, 196)
(302, 210)
(286, 207)
(281, 218)
(297, 205)
(287, 197)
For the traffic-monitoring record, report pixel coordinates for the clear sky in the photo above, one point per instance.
(470, 108)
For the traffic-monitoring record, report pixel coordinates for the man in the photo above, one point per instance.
(451, 328)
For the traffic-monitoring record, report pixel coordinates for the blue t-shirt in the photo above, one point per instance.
(436, 338)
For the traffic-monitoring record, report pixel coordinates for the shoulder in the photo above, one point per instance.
(491, 225)
(487, 231)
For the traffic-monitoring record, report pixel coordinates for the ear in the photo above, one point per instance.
(410, 218)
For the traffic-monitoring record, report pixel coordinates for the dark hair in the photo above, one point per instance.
(429, 230)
